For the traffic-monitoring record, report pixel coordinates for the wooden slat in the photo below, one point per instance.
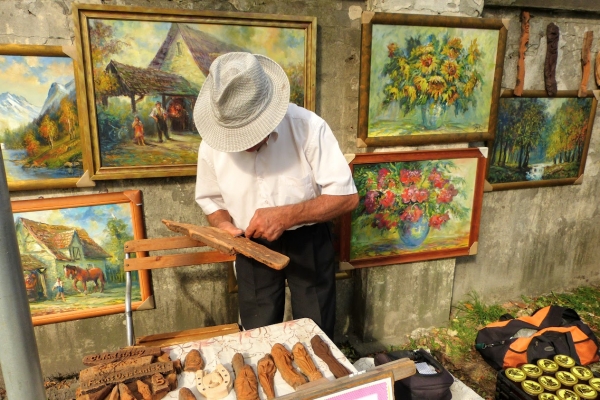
(166, 339)
(166, 243)
(176, 260)
(522, 49)
(586, 64)
(225, 242)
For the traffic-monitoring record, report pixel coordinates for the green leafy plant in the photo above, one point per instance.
(432, 70)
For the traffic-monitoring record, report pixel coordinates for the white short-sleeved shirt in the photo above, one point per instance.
(300, 161)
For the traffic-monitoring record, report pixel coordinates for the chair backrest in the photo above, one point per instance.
(144, 261)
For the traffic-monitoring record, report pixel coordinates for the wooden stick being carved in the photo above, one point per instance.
(522, 49)
(266, 375)
(586, 65)
(552, 36)
(283, 361)
(305, 363)
(323, 351)
(225, 243)
(246, 384)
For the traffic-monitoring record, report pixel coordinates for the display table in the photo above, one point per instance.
(253, 345)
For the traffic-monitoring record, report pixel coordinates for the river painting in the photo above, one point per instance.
(39, 123)
(540, 141)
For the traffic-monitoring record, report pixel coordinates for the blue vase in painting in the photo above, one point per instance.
(413, 234)
(432, 115)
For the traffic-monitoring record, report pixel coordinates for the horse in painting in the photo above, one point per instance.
(82, 275)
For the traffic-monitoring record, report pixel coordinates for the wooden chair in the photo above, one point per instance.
(145, 261)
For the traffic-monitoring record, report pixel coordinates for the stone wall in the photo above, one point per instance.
(531, 240)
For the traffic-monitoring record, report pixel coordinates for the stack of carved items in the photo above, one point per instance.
(128, 374)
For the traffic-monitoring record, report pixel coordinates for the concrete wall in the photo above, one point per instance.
(531, 240)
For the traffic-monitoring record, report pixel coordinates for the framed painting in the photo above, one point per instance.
(540, 140)
(414, 206)
(72, 254)
(143, 69)
(428, 79)
(41, 136)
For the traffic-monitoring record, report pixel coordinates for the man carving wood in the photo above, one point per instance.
(273, 171)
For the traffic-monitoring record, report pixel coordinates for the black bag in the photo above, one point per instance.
(420, 386)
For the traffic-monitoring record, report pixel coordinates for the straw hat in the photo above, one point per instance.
(245, 96)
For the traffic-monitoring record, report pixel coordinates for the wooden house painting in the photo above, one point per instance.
(46, 249)
(176, 73)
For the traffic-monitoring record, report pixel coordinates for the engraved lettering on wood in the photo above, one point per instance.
(126, 375)
(522, 49)
(90, 373)
(104, 358)
(552, 36)
(586, 64)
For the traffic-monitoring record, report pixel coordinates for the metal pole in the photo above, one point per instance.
(19, 356)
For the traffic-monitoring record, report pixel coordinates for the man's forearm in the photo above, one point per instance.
(321, 209)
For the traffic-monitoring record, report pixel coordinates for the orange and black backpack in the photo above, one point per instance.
(551, 330)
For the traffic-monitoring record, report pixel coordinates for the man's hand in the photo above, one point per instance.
(230, 228)
(268, 223)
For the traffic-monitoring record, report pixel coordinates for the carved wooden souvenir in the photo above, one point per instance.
(125, 393)
(246, 384)
(109, 357)
(159, 386)
(164, 357)
(305, 363)
(266, 375)
(186, 394)
(90, 373)
(283, 361)
(193, 361)
(224, 242)
(114, 394)
(126, 375)
(323, 351)
(586, 65)
(144, 390)
(172, 380)
(237, 362)
(552, 36)
(522, 49)
(215, 385)
(98, 395)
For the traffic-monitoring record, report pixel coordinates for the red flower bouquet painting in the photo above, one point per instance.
(414, 206)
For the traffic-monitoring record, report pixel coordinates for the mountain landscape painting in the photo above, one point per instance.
(39, 123)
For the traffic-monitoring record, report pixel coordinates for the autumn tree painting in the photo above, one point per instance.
(540, 139)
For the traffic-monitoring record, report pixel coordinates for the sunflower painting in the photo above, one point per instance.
(427, 81)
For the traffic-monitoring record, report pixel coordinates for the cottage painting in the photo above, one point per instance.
(430, 80)
(73, 258)
(147, 76)
(39, 123)
(540, 140)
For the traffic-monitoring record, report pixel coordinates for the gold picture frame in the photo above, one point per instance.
(428, 79)
(44, 132)
(133, 58)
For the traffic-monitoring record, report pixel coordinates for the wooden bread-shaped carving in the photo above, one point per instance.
(283, 361)
(305, 362)
(246, 384)
(266, 375)
(323, 351)
(186, 394)
(193, 361)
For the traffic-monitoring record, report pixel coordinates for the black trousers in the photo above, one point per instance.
(310, 276)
